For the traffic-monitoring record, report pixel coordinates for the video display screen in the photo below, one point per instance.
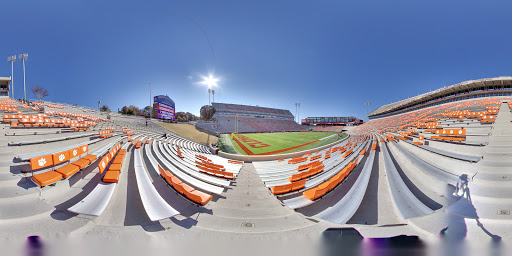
(165, 111)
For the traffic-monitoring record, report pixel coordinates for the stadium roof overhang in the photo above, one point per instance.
(5, 81)
(460, 87)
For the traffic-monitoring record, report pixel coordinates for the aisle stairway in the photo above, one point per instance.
(250, 208)
(491, 187)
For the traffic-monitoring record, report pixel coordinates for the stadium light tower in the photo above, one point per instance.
(11, 59)
(209, 93)
(23, 57)
(151, 105)
(298, 115)
(297, 111)
(209, 81)
(367, 107)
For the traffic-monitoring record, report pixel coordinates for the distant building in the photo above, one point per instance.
(350, 120)
(226, 109)
(4, 86)
(163, 108)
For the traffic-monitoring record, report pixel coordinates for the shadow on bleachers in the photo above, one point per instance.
(135, 213)
(187, 223)
(86, 189)
(336, 194)
(426, 200)
(368, 211)
(62, 215)
(26, 183)
(175, 200)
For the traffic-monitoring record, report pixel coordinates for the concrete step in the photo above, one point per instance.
(493, 174)
(488, 163)
(496, 137)
(24, 208)
(14, 191)
(6, 153)
(500, 143)
(7, 176)
(498, 148)
(497, 157)
(493, 189)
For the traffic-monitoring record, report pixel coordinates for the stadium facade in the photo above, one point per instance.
(4, 86)
(350, 120)
(229, 118)
(164, 108)
(225, 109)
(487, 87)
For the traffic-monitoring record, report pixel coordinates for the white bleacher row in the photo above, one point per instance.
(187, 144)
(190, 169)
(344, 209)
(183, 176)
(154, 205)
(278, 175)
(46, 140)
(301, 201)
(97, 200)
(405, 201)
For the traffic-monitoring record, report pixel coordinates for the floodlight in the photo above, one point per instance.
(210, 81)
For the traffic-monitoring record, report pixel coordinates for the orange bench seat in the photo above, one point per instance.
(115, 167)
(119, 159)
(199, 197)
(90, 157)
(329, 185)
(47, 178)
(294, 186)
(68, 170)
(81, 163)
(184, 189)
(111, 176)
(448, 138)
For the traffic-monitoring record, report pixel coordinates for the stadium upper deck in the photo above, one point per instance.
(235, 109)
(487, 87)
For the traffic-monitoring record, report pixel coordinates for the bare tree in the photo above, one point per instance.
(207, 112)
(39, 92)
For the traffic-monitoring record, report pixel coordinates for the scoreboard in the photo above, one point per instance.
(164, 108)
(165, 111)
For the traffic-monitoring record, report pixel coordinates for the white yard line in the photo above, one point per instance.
(327, 137)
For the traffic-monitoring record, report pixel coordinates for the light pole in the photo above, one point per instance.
(213, 94)
(23, 57)
(367, 106)
(296, 112)
(298, 115)
(150, 98)
(209, 93)
(11, 59)
(99, 102)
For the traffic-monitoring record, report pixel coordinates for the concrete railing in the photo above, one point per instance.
(252, 158)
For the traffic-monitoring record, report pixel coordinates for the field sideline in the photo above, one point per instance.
(275, 143)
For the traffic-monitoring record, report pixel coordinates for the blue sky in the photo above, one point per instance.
(331, 56)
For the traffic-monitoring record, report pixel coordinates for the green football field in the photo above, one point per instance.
(275, 143)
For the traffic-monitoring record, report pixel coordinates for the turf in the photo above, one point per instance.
(281, 141)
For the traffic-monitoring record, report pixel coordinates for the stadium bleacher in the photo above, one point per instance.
(251, 119)
(120, 172)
